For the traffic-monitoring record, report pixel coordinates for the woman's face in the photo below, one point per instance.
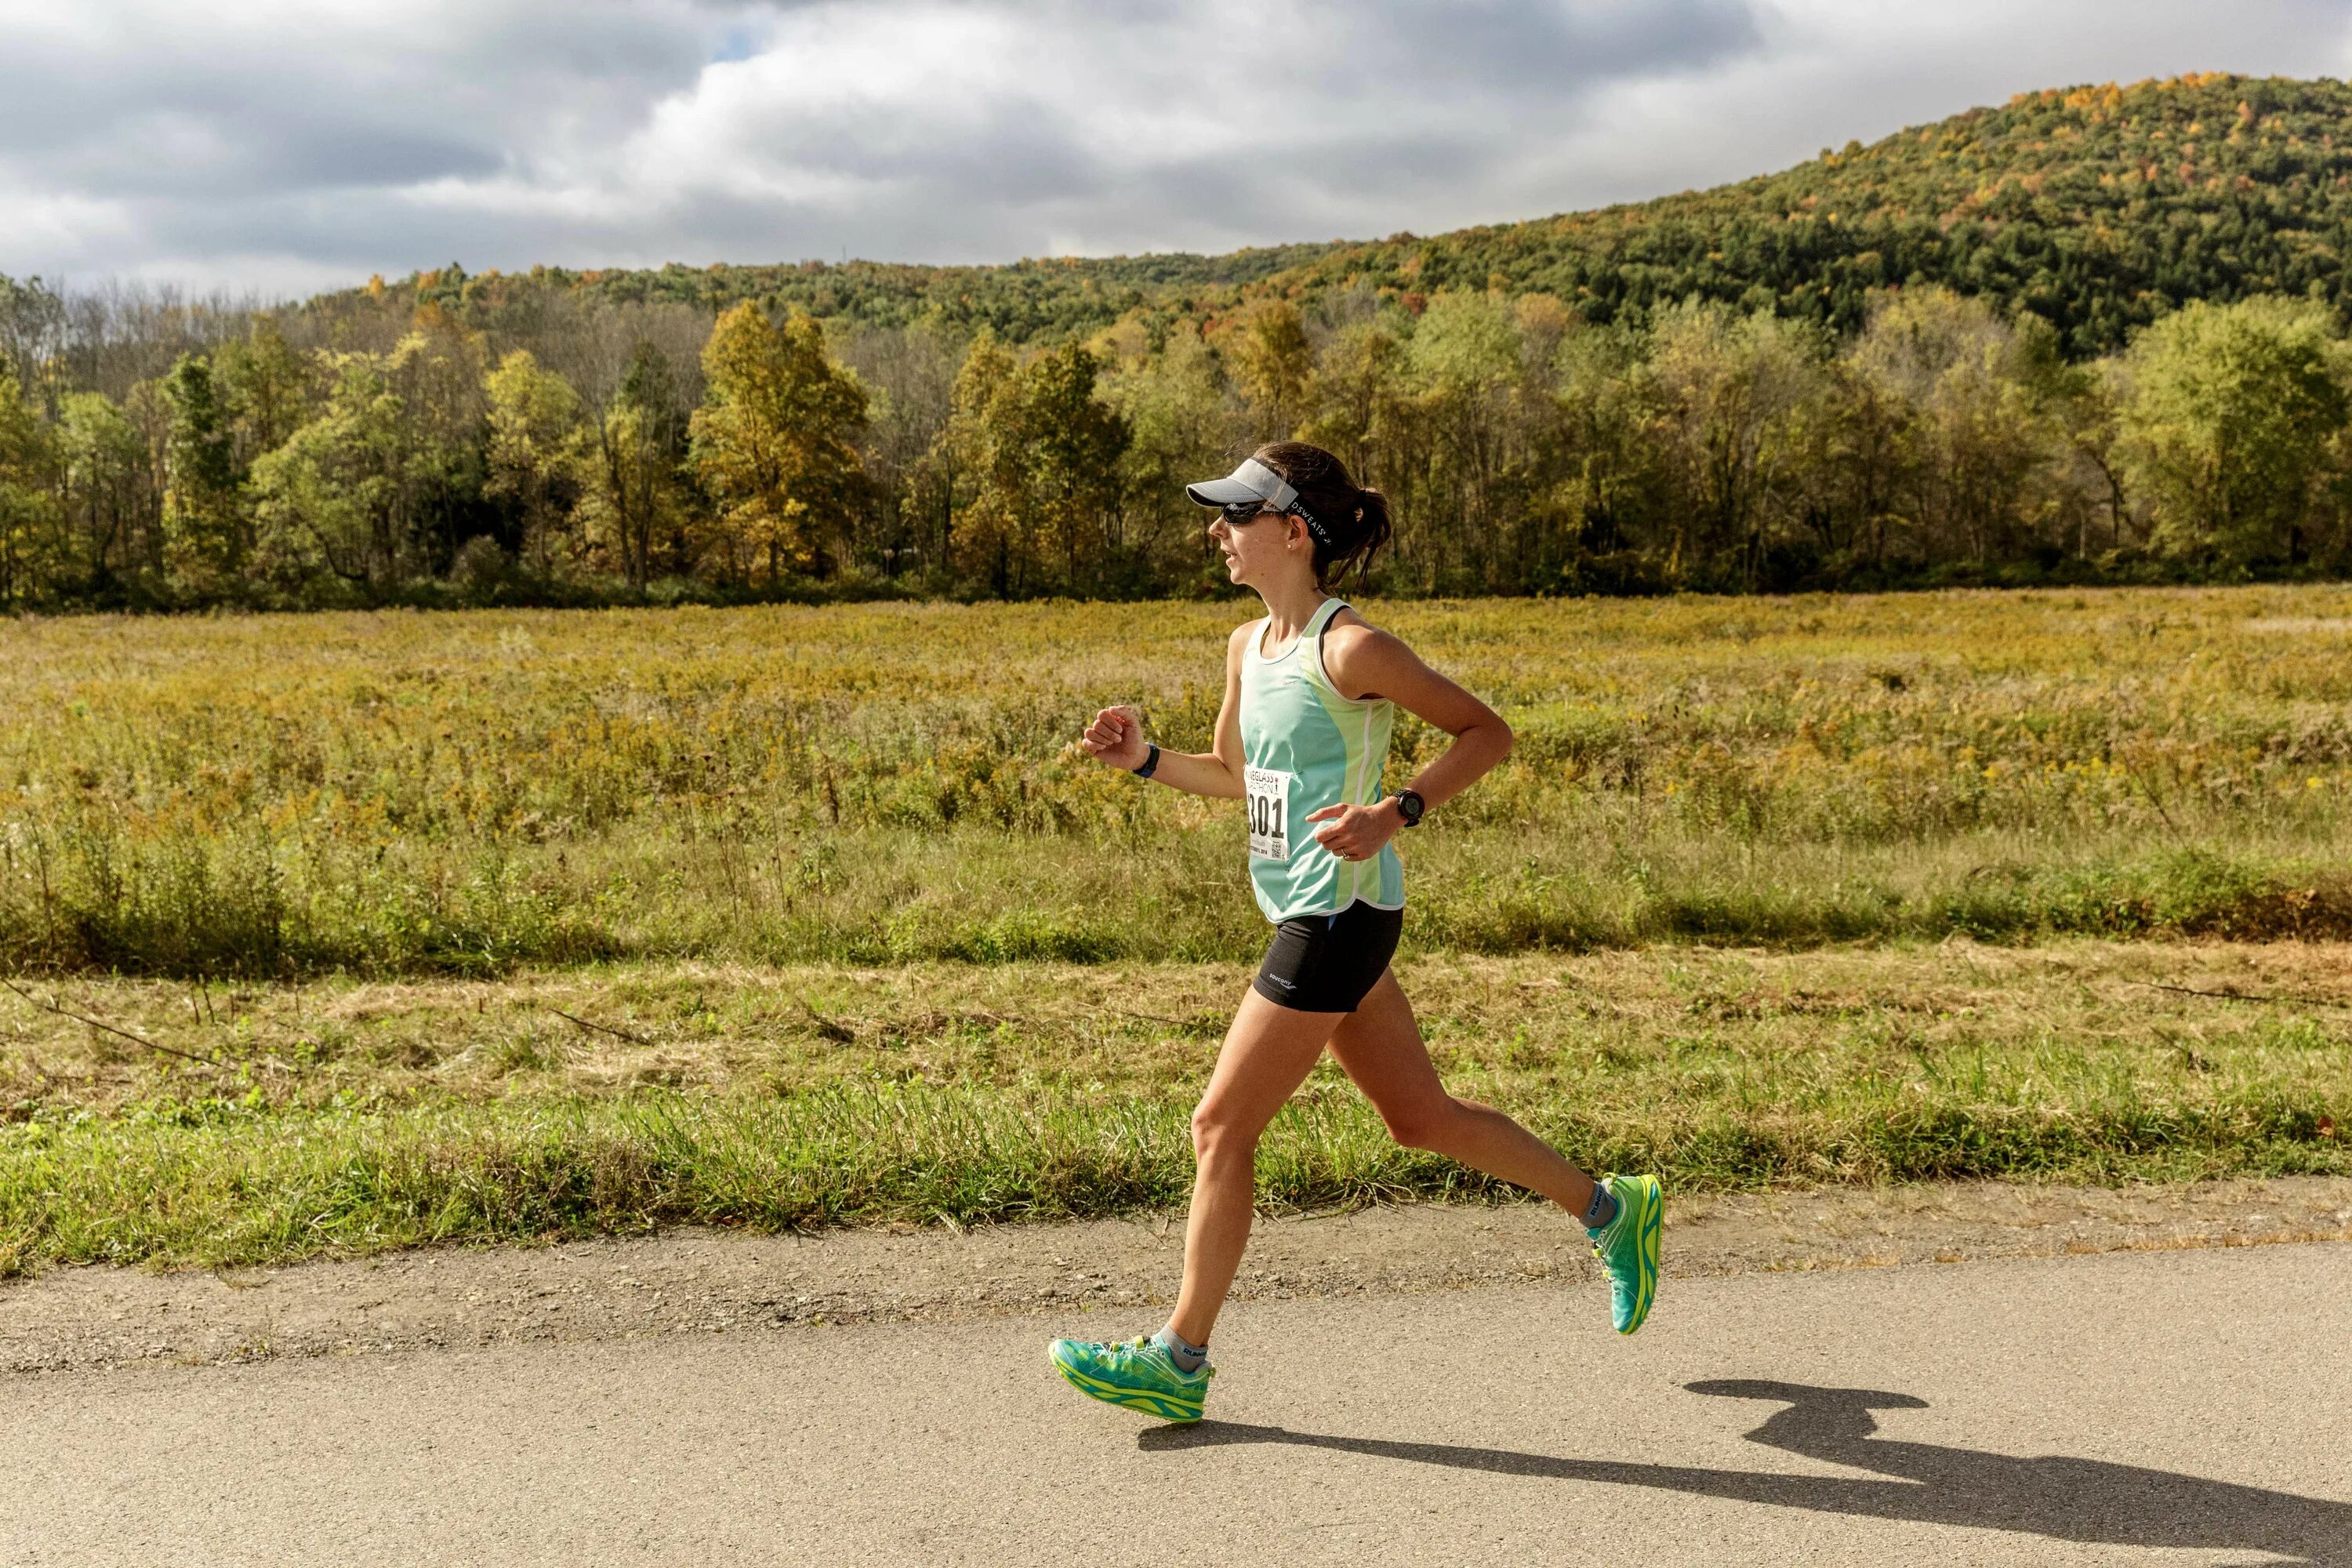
(1259, 552)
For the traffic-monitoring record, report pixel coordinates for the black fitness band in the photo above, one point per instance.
(1151, 760)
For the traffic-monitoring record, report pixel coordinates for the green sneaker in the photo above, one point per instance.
(1141, 1376)
(1628, 1248)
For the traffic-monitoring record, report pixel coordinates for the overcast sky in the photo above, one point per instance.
(294, 144)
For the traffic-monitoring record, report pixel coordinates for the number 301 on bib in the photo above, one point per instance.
(1269, 813)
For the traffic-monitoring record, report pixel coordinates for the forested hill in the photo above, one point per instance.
(2097, 207)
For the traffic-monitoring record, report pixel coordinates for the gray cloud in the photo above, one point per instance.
(1492, 50)
(293, 145)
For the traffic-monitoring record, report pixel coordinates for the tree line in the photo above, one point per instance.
(162, 453)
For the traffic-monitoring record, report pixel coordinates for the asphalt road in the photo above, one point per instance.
(2175, 1407)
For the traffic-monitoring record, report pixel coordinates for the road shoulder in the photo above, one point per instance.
(691, 1281)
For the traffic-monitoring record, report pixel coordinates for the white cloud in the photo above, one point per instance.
(288, 145)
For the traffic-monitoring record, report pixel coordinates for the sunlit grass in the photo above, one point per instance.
(357, 1114)
(407, 792)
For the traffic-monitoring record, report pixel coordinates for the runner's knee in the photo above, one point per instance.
(1425, 1124)
(1216, 1133)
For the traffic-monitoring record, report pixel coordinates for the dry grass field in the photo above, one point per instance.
(344, 931)
(462, 793)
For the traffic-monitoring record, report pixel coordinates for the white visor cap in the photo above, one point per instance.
(1255, 481)
(1252, 481)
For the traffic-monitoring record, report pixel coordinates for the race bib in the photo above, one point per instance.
(1269, 813)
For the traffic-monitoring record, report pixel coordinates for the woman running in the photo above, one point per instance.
(1311, 690)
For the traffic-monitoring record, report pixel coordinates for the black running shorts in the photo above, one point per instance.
(1326, 963)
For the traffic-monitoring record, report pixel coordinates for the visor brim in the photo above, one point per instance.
(1227, 491)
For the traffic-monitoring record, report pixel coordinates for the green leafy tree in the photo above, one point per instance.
(112, 506)
(2228, 422)
(976, 464)
(1607, 473)
(1974, 387)
(205, 534)
(34, 333)
(1360, 400)
(1471, 437)
(29, 554)
(1729, 392)
(1036, 460)
(775, 441)
(365, 494)
(634, 502)
(1181, 426)
(269, 387)
(637, 510)
(1075, 442)
(538, 458)
(2087, 405)
(330, 502)
(1853, 451)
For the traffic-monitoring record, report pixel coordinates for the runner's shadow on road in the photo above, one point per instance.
(2063, 1498)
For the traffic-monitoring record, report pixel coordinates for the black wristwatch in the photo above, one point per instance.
(1409, 806)
(1150, 760)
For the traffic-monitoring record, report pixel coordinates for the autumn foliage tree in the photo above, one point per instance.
(1273, 364)
(776, 443)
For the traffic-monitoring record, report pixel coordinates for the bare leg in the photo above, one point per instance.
(1379, 1045)
(1269, 1052)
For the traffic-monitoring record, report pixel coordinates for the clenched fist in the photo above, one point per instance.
(1116, 737)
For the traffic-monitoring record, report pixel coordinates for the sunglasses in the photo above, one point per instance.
(1240, 511)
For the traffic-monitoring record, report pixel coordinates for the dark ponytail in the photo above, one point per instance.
(1353, 522)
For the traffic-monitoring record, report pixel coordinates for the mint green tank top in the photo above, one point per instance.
(1305, 747)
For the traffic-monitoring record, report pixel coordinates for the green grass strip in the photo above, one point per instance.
(234, 1187)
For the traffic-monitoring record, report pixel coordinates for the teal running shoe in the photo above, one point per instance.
(1628, 1248)
(1140, 1376)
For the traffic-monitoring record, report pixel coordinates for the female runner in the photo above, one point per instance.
(1311, 690)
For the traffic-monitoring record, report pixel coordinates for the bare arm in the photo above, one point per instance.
(1365, 663)
(1117, 738)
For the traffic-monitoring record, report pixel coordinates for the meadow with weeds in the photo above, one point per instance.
(341, 931)
(409, 794)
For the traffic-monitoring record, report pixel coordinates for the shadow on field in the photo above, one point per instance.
(2065, 1499)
